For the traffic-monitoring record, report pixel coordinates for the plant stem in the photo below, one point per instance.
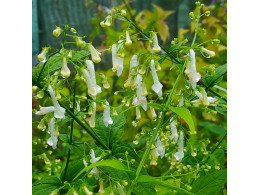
(151, 141)
(211, 153)
(196, 27)
(147, 36)
(71, 134)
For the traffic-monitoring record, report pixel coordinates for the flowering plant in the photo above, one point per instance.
(162, 150)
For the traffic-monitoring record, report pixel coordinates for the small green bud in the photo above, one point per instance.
(191, 14)
(207, 13)
(34, 88)
(73, 30)
(197, 3)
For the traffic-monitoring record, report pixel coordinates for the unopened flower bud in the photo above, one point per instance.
(128, 40)
(73, 30)
(34, 88)
(42, 56)
(207, 13)
(191, 14)
(69, 54)
(87, 191)
(114, 112)
(57, 31)
(156, 48)
(80, 42)
(94, 54)
(65, 71)
(123, 12)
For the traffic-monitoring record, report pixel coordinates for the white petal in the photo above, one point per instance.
(157, 86)
(59, 111)
(93, 116)
(159, 148)
(45, 110)
(106, 116)
(180, 154)
(174, 132)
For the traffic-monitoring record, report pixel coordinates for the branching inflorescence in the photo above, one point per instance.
(117, 166)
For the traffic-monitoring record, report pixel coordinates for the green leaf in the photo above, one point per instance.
(46, 185)
(214, 128)
(114, 132)
(118, 151)
(213, 80)
(114, 164)
(144, 189)
(210, 184)
(77, 55)
(54, 63)
(73, 169)
(146, 179)
(175, 47)
(184, 113)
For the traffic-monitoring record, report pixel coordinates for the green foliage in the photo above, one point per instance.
(46, 185)
(114, 132)
(210, 184)
(165, 130)
(210, 81)
(146, 179)
(115, 167)
(184, 113)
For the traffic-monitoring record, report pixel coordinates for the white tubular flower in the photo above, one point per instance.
(42, 56)
(118, 61)
(106, 116)
(153, 113)
(204, 99)
(140, 99)
(45, 110)
(65, 71)
(114, 58)
(93, 160)
(207, 53)
(52, 141)
(157, 86)
(138, 113)
(58, 110)
(144, 90)
(128, 40)
(120, 189)
(133, 63)
(78, 106)
(181, 102)
(86, 190)
(174, 132)
(85, 163)
(91, 68)
(80, 42)
(108, 20)
(180, 154)
(154, 157)
(57, 31)
(191, 71)
(69, 54)
(92, 90)
(156, 48)
(93, 116)
(120, 66)
(94, 54)
(159, 148)
(101, 187)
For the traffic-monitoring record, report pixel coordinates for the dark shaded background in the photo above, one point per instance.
(48, 13)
